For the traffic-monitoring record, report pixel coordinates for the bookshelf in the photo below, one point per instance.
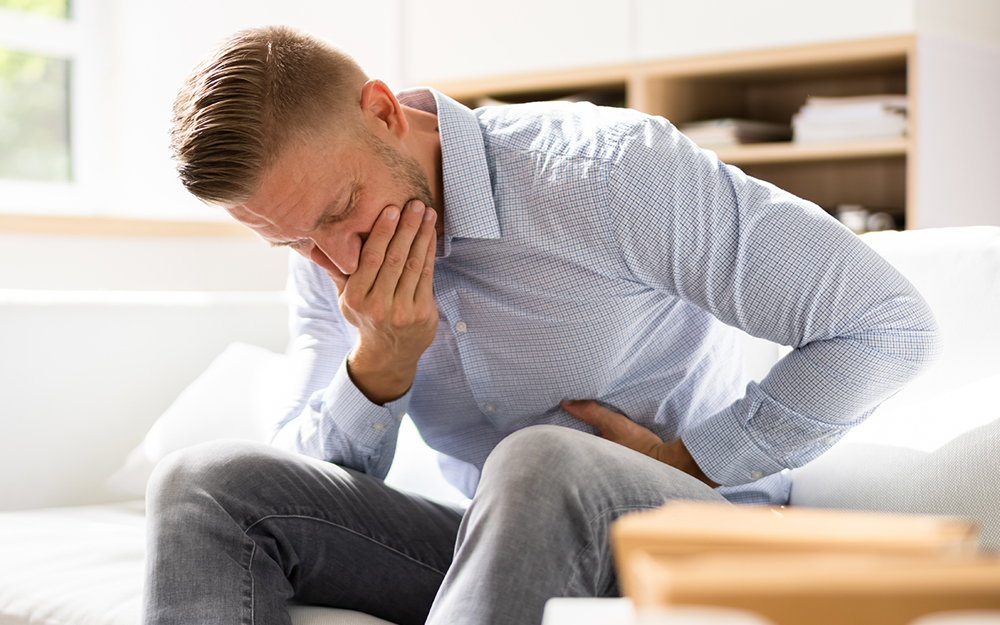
(765, 85)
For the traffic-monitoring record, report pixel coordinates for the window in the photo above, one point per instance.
(47, 90)
(34, 104)
(48, 8)
(34, 117)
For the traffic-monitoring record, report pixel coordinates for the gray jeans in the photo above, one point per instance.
(237, 529)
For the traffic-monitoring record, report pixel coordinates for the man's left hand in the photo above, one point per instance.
(620, 429)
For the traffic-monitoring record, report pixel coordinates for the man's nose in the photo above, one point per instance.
(333, 256)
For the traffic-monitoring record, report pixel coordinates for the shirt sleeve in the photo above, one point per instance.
(780, 268)
(332, 420)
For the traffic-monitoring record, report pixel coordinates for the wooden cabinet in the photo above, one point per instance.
(766, 85)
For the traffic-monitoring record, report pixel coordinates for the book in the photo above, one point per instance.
(713, 133)
(851, 118)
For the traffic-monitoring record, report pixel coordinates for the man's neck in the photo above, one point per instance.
(426, 147)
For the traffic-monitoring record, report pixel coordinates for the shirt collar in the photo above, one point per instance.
(470, 211)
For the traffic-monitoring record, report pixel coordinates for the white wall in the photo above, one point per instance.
(975, 22)
(670, 28)
(958, 132)
(159, 42)
(958, 90)
(456, 39)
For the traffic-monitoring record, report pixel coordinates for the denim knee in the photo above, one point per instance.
(204, 473)
(534, 450)
(545, 462)
(565, 466)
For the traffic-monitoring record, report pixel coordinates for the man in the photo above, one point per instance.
(550, 291)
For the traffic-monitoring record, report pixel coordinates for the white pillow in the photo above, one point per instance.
(240, 395)
(939, 457)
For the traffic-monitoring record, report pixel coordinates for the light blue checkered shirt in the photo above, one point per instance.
(596, 253)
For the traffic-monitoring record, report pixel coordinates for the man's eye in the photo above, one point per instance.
(339, 217)
(295, 245)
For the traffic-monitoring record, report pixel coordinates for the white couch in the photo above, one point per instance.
(87, 374)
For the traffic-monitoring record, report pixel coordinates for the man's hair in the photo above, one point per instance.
(251, 95)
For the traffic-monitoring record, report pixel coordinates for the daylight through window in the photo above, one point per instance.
(35, 104)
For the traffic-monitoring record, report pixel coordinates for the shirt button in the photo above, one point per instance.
(378, 427)
(400, 416)
(830, 441)
(756, 475)
(490, 408)
(461, 327)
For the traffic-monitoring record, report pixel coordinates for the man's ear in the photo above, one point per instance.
(382, 110)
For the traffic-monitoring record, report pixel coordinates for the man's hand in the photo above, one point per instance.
(620, 429)
(390, 300)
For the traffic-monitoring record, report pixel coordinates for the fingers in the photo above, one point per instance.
(589, 411)
(389, 298)
(374, 250)
(620, 429)
(392, 259)
(419, 267)
(613, 426)
(425, 288)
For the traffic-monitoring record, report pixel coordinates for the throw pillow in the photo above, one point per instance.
(238, 396)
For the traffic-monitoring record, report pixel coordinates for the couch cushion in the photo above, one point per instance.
(84, 565)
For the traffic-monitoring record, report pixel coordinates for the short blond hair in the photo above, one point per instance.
(252, 94)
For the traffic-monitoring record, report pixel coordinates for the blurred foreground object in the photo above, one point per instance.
(803, 565)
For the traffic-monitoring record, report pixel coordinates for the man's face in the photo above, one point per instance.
(322, 198)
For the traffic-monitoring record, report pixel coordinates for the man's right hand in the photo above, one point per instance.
(390, 300)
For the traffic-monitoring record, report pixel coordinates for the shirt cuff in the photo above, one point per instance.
(725, 451)
(365, 424)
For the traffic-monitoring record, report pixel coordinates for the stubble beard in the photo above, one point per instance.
(406, 169)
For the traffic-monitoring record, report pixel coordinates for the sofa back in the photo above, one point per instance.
(957, 270)
(86, 373)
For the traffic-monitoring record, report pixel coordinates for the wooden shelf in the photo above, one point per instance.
(800, 152)
(766, 85)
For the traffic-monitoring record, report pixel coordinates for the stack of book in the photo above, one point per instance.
(799, 565)
(849, 119)
(718, 133)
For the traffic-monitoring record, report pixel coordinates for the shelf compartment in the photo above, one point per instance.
(877, 183)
